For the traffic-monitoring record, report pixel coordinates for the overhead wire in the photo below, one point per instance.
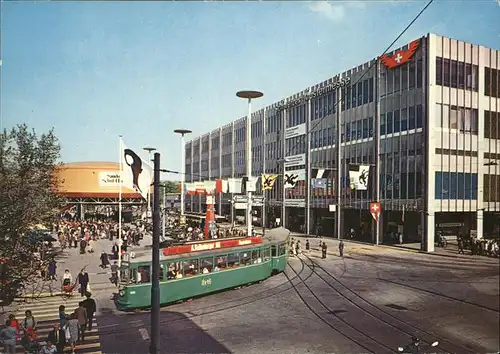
(292, 149)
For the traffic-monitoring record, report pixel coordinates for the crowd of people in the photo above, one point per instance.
(68, 332)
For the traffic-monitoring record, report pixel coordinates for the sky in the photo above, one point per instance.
(95, 70)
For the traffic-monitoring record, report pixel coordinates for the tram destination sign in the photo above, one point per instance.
(208, 246)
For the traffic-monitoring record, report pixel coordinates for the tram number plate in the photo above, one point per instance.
(206, 282)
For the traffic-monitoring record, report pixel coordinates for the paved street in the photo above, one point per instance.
(372, 300)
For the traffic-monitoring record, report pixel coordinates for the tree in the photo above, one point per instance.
(171, 187)
(27, 198)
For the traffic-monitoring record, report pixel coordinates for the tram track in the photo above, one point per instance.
(356, 300)
(250, 299)
(367, 342)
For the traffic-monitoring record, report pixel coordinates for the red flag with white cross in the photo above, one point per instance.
(375, 209)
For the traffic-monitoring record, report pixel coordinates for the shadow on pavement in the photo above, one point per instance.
(129, 333)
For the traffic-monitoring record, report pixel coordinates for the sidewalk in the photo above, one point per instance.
(71, 259)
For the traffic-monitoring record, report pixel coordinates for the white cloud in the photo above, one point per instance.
(332, 12)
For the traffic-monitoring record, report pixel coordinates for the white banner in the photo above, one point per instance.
(234, 185)
(137, 174)
(358, 179)
(295, 131)
(295, 160)
(109, 178)
(295, 203)
(292, 177)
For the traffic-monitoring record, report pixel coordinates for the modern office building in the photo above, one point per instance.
(425, 118)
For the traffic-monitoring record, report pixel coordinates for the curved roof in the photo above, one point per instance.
(94, 179)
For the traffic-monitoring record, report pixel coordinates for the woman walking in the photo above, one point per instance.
(71, 331)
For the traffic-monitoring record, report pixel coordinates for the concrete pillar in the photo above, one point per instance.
(429, 231)
(479, 222)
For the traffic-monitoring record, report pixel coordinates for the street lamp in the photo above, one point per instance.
(149, 150)
(249, 95)
(182, 132)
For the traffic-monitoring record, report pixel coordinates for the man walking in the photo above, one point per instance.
(83, 280)
(89, 305)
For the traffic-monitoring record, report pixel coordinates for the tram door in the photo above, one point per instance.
(273, 251)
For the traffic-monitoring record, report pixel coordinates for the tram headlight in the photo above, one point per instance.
(122, 293)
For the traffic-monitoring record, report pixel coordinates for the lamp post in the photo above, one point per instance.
(182, 132)
(249, 95)
(149, 150)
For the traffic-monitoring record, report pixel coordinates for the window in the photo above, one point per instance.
(246, 258)
(404, 119)
(359, 129)
(389, 123)
(420, 75)
(348, 132)
(354, 95)
(282, 249)
(397, 122)
(455, 185)
(491, 187)
(411, 118)
(420, 116)
(397, 79)
(360, 93)
(370, 90)
(365, 128)
(266, 254)
(366, 83)
(404, 77)
(206, 265)
(143, 274)
(411, 75)
(190, 267)
(348, 97)
(451, 73)
(382, 124)
(491, 78)
(390, 81)
(370, 127)
(491, 125)
(233, 260)
(221, 262)
(256, 257)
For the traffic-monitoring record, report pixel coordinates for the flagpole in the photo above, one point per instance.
(120, 203)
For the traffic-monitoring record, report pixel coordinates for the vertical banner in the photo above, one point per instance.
(358, 177)
(137, 173)
(375, 210)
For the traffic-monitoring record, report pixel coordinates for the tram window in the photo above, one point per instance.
(143, 274)
(190, 267)
(220, 263)
(174, 271)
(282, 250)
(246, 258)
(233, 260)
(256, 257)
(273, 251)
(266, 254)
(161, 275)
(206, 264)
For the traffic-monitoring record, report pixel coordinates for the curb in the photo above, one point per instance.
(389, 247)
(60, 293)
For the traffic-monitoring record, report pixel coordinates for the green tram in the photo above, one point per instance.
(202, 268)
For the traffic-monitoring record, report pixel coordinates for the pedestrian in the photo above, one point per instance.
(81, 315)
(460, 246)
(341, 248)
(308, 246)
(104, 260)
(52, 269)
(71, 331)
(90, 306)
(48, 348)
(83, 280)
(29, 323)
(114, 274)
(57, 336)
(63, 318)
(83, 245)
(8, 337)
(90, 245)
(324, 248)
